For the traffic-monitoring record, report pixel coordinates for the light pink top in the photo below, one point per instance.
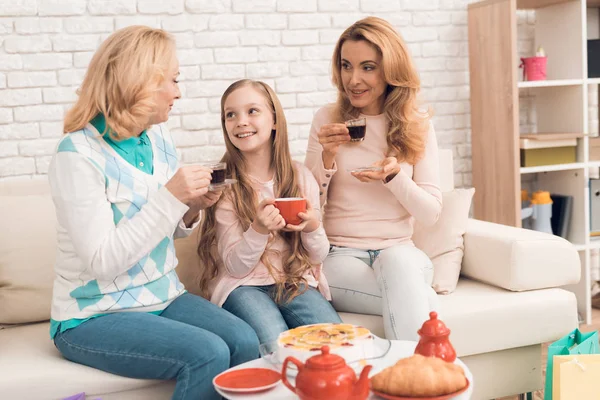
(373, 216)
(241, 251)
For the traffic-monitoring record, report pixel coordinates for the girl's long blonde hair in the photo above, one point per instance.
(244, 199)
(121, 80)
(408, 127)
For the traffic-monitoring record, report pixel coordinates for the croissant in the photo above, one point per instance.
(419, 376)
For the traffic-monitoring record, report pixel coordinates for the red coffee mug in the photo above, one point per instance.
(289, 207)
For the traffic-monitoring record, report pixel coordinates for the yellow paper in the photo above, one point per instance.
(576, 377)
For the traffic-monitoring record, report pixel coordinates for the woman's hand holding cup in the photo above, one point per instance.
(331, 136)
(267, 218)
(189, 183)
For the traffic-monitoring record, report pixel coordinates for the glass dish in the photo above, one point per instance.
(372, 354)
(365, 169)
(226, 183)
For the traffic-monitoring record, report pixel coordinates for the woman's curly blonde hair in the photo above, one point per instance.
(408, 126)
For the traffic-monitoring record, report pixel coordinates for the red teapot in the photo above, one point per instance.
(326, 376)
(435, 340)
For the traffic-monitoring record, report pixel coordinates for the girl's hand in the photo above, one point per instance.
(390, 168)
(331, 136)
(267, 218)
(310, 221)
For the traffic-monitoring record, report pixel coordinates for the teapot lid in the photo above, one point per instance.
(433, 326)
(325, 360)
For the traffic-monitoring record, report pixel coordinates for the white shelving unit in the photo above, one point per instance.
(559, 104)
(552, 83)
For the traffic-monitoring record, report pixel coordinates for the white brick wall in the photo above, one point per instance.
(45, 46)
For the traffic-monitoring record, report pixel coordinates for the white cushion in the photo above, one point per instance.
(518, 259)
(27, 251)
(443, 241)
(32, 368)
(483, 318)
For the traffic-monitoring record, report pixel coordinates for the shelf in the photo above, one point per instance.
(550, 168)
(550, 83)
(593, 164)
(501, 106)
(533, 4)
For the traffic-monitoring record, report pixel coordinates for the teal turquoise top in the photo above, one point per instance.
(137, 151)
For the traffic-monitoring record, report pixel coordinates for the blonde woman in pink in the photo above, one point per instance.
(373, 267)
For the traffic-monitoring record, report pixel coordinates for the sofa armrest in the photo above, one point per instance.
(518, 259)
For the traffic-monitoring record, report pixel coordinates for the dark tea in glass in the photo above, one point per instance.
(357, 129)
(218, 174)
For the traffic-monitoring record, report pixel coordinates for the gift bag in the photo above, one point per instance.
(574, 343)
(576, 377)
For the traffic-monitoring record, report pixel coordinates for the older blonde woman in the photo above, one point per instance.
(120, 201)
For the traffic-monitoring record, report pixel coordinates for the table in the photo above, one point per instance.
(399, 349)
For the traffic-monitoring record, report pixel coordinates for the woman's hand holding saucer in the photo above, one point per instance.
(208, 199)
(388, 168)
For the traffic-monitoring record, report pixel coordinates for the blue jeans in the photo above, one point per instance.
(256, 306)
(192, 341)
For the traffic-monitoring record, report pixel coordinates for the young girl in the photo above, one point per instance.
(369, 215)
(255, 266)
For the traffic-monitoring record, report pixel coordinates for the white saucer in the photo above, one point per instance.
(226, 183)
(365, 169)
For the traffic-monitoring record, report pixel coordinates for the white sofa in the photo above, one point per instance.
(507, 303)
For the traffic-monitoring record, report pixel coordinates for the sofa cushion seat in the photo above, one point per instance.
(484, 318)
(32, 368)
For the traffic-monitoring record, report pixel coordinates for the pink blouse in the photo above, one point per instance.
(241, 250)
(373, 216)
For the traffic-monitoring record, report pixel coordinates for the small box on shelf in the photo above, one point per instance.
(548, 148)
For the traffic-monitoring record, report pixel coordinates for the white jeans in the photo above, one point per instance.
(394, 282)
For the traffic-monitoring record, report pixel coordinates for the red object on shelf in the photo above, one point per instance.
(534, 68)
(435, 341)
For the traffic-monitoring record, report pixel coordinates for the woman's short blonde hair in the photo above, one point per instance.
(121, 80)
